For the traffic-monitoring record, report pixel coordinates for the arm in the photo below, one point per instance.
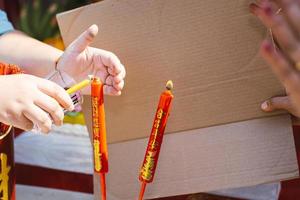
(33, 56)
(28, 100)
(78, 61)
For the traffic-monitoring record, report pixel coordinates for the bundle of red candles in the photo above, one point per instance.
(154, 144)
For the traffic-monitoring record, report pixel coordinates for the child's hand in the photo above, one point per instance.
(27, 100)
(80, 60)
(282, 17)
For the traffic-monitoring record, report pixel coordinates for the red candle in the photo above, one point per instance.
(99, 132)
(156, 137)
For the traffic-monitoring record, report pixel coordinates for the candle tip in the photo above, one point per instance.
(94, 78)
(169, 85)
(91, 77)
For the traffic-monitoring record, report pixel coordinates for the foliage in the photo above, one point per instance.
(37, 18)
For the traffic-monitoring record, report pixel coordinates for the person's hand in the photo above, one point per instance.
(283, 18)
(79, 60)
(27, 100)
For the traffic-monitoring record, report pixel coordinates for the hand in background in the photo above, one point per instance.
(285, 60)
(79, 60)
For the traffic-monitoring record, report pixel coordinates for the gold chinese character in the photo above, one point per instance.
(160, 113)
(4, 177)
(97, 156)
(147, 170)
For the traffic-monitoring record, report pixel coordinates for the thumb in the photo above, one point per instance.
(277, 103)
(85, 39)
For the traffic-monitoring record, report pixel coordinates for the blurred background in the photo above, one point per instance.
(37, 18)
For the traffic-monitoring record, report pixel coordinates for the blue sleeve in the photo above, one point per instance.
(5, 25)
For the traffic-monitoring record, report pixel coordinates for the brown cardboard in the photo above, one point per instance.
(207, 159)
(209, 50)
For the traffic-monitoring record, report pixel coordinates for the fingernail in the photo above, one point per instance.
(267, 9)
(253, 8)
(267, 46)
(93, 30)
(265, 105)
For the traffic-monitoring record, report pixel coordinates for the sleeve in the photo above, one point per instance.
(5, 25)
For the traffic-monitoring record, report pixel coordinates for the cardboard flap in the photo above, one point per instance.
(207, 159)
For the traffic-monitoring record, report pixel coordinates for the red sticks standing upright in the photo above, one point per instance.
(155, 140)
(99, 133)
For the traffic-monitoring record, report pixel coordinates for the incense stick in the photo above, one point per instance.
(142, 191)
(103, 186)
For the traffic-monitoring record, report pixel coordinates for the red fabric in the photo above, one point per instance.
(18, 132)
(53, 178)
(7, 166)
(6, 69)
(7, 147)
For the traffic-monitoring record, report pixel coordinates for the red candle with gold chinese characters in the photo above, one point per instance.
(99, 132)
(156, 137)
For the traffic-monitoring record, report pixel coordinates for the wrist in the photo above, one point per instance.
(59, 76)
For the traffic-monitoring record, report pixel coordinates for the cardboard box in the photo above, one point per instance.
(210, 51)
